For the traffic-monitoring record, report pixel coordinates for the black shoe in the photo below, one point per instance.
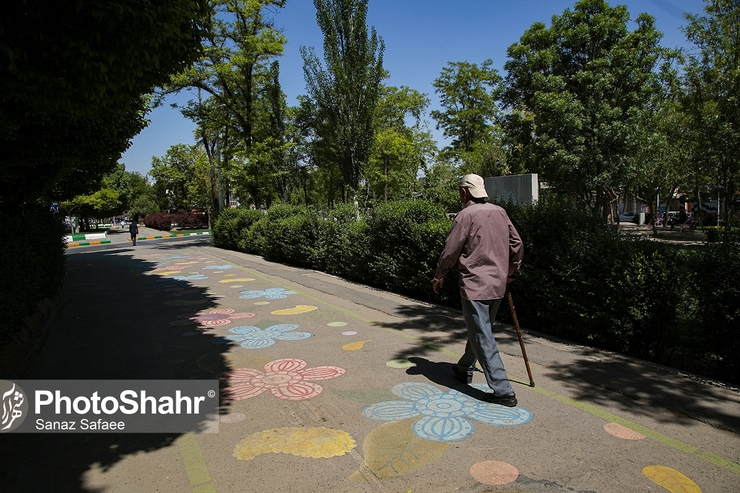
(504, 400)
(462, 375)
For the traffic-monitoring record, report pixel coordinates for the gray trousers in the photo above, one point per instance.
(481, 346)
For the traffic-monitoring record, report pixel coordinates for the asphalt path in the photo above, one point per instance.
(331, 386)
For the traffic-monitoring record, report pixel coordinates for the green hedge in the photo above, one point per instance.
(232, 228)
(580, 279)
(714, 283)
(32, 267)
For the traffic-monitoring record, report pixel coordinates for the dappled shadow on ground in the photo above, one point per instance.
(441, 327)
(639, 387)
(445, 327)
(606, 380)
(116, 323)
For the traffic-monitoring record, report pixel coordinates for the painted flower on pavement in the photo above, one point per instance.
(269, 293)
(286, 378)
(167, 268)
(213, 318)
(251, 337)
(194, 277)
(443, 416)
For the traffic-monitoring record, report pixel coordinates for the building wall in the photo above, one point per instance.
(519, 189)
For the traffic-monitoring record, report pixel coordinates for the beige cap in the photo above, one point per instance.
(475, 185)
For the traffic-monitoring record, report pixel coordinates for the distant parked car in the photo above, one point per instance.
(627, 217)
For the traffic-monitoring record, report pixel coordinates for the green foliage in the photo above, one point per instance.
(345, 92)
(72, 86)
(240, 119)
(468, 95)
(32, 267)
(582, 281)
(405, 241)
(344, 244)
(715, 285)
(180, 184)
(711, 85)
(441, 186)
(293, 237)
(400, 150)
(129, 185)
(103, 203)
(232, 227)
(580, 96)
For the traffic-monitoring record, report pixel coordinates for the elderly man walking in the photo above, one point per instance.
(487, 250)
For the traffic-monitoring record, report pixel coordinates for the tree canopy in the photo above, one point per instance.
(579, 94)
(344, 92)
(72, 79)
(711, 95)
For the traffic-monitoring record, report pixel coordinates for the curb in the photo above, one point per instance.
(172, 235)
(87, 243)
(86, 236)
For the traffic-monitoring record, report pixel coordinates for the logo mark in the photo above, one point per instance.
(14, 406)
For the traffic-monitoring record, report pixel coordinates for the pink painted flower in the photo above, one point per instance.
(286, 378)
(215, 318)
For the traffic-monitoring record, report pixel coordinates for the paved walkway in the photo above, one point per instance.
(363, 399)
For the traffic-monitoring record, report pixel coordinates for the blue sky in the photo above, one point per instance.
(421, 37)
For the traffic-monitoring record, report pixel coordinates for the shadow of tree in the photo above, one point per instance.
(115, 324)
(612, 380)
(603, 379)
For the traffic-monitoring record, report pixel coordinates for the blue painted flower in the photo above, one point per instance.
(443, 415)
(252, 337)
(219, 267)
(269, 293)
(194, 277)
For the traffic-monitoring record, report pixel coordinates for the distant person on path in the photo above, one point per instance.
(133, 229)
(487, 250)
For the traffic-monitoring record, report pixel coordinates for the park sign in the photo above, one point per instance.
(109, 406)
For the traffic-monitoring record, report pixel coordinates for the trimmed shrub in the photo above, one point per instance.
(232, 227)
(160, 220)
(163, 221)
(405, 240)
(256, 240)
(190, 220)
(33, 265)
(344, 244)
(293, 237)
(581, 280)
(715, 286)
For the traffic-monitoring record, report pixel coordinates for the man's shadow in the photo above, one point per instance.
(441, 374)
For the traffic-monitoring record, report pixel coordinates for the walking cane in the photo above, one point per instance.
(519, 334)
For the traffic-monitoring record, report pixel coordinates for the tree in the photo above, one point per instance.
(712, 93)
(181, 179)
(468, 95)
(237, 73)
(578, 95)
(71, 85)
(344, 93)
(400, 150)
(129, 185)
